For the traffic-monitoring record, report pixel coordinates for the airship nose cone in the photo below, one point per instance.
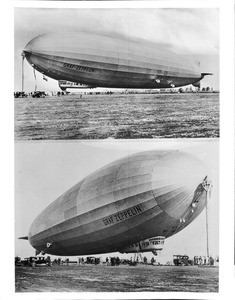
(37, 44)
(30, 50)
(48, 43)
(29, 47)
(175, 181)
(39, 50)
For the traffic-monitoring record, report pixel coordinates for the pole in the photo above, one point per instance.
(23, 56)
(207, 185)
(207, 230)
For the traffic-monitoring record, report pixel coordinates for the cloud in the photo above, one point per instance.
(195, 29)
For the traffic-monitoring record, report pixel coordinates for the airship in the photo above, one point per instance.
(126, 206)
(110, 61)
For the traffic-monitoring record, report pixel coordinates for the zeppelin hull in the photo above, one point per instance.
(135, 198)
(109, 62)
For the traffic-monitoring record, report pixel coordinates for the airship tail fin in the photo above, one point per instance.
(23, 238)
(197, 84)
(205, 74)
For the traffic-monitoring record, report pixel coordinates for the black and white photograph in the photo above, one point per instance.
(117, 217)
(121, 134)
(136, 214)
(116, 73)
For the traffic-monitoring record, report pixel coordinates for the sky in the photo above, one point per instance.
(193, 32)
(45, 170)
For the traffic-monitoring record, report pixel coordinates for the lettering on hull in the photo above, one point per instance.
(79, 68)
(123, 215)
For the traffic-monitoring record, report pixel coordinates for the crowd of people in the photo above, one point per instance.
(204, 260)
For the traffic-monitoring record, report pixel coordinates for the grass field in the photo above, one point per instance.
(90, 278)
(117, 116)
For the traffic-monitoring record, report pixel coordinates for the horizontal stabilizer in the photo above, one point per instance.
(205, 74)
(23, 238)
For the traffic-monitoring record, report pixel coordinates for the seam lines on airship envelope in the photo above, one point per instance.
(98, 220)
(90, 233)
(184, 198)
(166, 60)
(191, 196)
(177, 191)
(172, 231)
(139, 238)
(170, 73)
(117, 203)
(160, 68)
(146, 212)
(77, 190)
(152, 47)
(188, 215)
(87, 213)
